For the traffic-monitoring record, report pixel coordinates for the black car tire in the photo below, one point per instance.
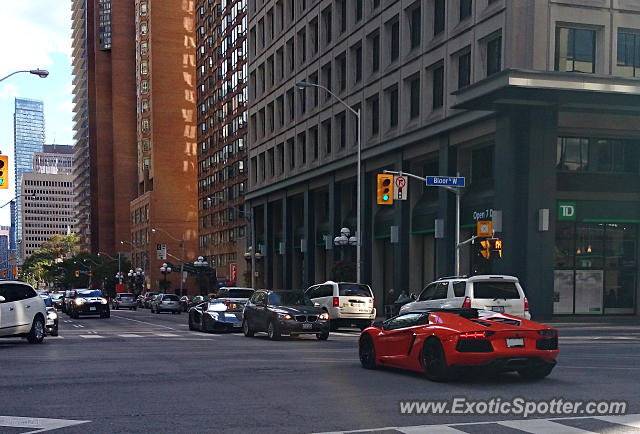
(323, 336)
(367, 352)
(105, 315)
(37, 332)
(272, 331)
(246, 329)
(434, 361)
(536, 373)
(178, 312)
(54, 332)
(191, 324)
(333, 325)
(135, 308)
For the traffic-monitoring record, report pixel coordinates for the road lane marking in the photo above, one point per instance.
(541, 426)
(129, 335)
(144, 322)
(165, 335)
(91, 336)
(39, 424)
(629, 419)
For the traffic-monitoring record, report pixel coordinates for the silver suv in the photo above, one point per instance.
(22, 312)
(166, 303)
(497, 293)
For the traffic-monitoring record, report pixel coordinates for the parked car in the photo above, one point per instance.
(125, 300)
(346, 303)
(166, 303)
(22, 312)
(57, 298)
(442, 343)
(284, 312)
(496, 293)
(89, 302)
(147, 299)
(52, 316)
(216, 315)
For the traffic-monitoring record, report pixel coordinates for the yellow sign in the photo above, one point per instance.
(484, 229)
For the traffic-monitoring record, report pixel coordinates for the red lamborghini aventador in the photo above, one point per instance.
(440, 342)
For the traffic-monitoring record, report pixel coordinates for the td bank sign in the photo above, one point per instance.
(566, 210)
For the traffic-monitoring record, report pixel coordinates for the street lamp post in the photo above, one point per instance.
(135, 276)
(42, 73)
(181, 241)
(165, 269)
(200, 264)
(302, 85)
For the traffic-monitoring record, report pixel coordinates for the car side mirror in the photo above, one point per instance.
(2, 299)
(414, 297)
(377, 324)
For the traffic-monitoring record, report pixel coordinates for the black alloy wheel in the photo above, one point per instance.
(191, 324)
(273, 332)
(36, 334)
(246, 329)
(367, 352)
(434, 361)
(322, 336)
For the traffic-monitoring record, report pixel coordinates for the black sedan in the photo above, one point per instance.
(284, 313)
(89, 302)
(216, 315)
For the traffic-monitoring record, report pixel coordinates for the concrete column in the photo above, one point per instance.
(268, 250)
(308, 278)
(287, 238)
(401, 249)
(525, 160)
(445, 247)
(333, 254)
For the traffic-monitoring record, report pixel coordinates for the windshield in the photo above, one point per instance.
(237, 293)
(506, 290)
(352, 289)
(170, 298)
(87, 294)
(126, 295)
(289, 299)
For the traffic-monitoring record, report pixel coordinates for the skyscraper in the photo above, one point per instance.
(28, 127)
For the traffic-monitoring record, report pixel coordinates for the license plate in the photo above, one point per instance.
(364, 310)
(515, 342)
(92, 308)
(307, 326)
(237, 324)
(497, 308)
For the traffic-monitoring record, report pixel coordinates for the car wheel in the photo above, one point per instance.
(36, 334)
(273, 332)
(135, 308)
(178, 312)
(434, 361)
(191, 325)
(54, 332)
(246, 329)
(367, 351)
(322, 336)
(333, 325)
(536, 373)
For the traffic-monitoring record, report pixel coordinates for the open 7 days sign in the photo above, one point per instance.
(566, 210)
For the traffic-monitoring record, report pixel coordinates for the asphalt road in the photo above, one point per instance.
(143, 372)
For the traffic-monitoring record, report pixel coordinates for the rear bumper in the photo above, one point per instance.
(127, 304)
(505, 364)
(168, 308)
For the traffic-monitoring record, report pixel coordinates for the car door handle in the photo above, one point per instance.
(10, 309)
(28, 306)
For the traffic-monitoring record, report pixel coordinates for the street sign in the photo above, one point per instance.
(400, 187)
(484, 229)
(120, 287)
(233, 272)
(445, 181)
(161, 251)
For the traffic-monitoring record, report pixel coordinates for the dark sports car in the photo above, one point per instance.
(441, 343)
(216, 315)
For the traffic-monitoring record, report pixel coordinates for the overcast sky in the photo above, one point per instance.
(35, 34)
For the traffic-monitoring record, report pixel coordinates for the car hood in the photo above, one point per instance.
(297, 310)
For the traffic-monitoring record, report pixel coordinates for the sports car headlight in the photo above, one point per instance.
(52, 315)
(284, 316)
(79, 301)
(324, 315)
(103, 301)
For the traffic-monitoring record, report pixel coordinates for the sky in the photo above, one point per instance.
(35, 34)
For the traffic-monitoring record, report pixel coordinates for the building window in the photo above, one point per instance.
(343, 14)
(494, 55)
(357, 63)
(374, 42)
(326, 129)
(394, 38)
(482, 166)
(465, 9)
(144, 48)
(376, 4)
(415, 28)
(327, 20)
(143, 8)
(145, 124)
(575, 50)
(144, 28)
(144, 106)
(438, 17)
(628, 53)
(314, 143)
(374, 114)
(438, 86)
(579, 154)
(392, 96)
(464, 68)
(342, 71)
(144, 67)
(414, 91)
(358, 10)
(342, 124)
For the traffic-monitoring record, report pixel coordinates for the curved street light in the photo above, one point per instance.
(42, 73)
(357, 113)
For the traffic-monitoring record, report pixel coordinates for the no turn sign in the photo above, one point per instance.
(400, 187)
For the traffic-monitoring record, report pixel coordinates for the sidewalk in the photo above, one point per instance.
(599, 320)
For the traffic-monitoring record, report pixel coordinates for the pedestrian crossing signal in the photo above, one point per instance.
(497, 247)
(485, 251)
(4, 274)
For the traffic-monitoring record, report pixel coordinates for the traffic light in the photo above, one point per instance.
(385, 189)
(77, 273)
(4, 172)
(485, 250)
(497, 247)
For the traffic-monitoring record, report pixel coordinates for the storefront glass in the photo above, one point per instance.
(596, 267)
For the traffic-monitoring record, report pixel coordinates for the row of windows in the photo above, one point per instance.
(221, 237)
(46, 184)
(140, 215)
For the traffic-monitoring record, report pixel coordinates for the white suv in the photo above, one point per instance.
(22, 311)
(487, 292)
(346, 303)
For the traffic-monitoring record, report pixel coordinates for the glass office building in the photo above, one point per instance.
(28, 127)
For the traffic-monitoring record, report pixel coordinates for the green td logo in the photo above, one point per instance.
(566, 210)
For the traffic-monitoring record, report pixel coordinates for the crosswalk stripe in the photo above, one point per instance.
(541, 426)
(129, 335)
(91, 336)
(165, 335)
(629, 419)
(431, 429)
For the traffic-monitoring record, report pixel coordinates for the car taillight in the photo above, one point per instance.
(160, 302)
(466, 304)
(373, 300)
(336, 301)
(526, 305)
(475, 335)
(548, 333)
